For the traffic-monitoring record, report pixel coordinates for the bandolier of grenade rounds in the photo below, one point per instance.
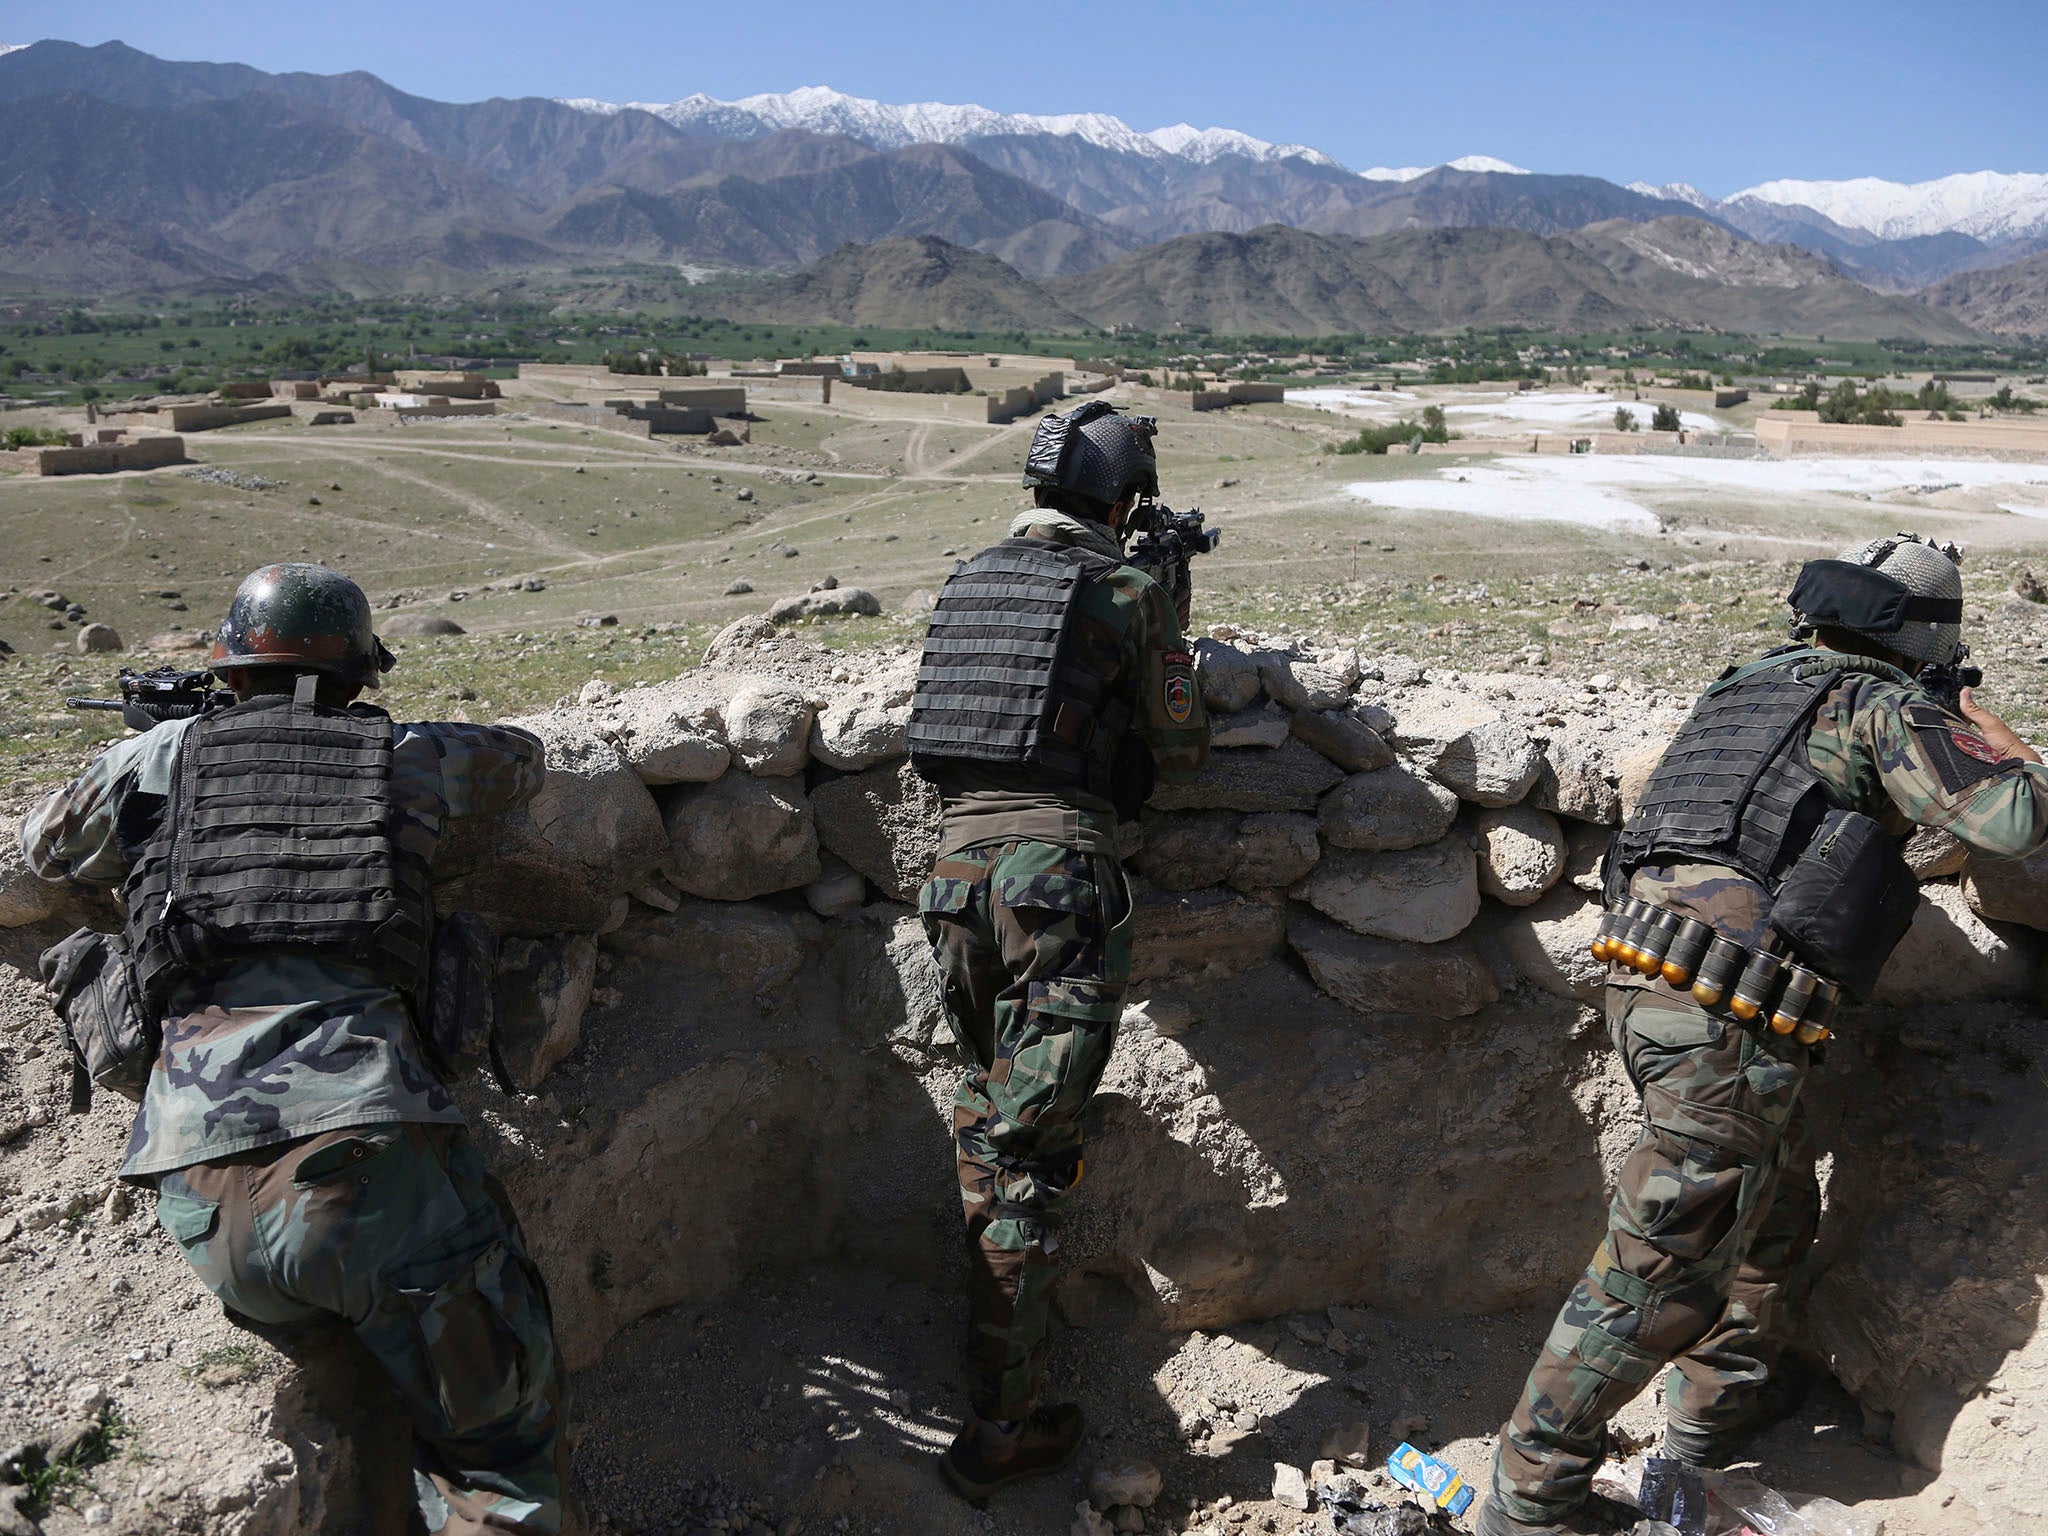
(1688, 952)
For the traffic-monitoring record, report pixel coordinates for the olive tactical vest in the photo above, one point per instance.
(1002, 680)
(280, 832)
(1735, 786)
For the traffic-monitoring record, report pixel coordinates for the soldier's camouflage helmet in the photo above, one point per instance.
(1926, 569)
(304, 617)
(1094, 451)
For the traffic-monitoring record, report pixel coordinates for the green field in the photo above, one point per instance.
(64, 353)
(651, 535)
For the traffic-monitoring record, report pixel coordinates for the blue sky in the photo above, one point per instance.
(1722, 95)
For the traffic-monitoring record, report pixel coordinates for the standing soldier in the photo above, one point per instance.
(272, 855)
(1056, 688)
(1758, 878)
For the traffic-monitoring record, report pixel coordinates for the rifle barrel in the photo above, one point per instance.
(94, 704)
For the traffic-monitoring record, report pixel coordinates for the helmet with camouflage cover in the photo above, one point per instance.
(1094, 452)
(306, 618)
(1916, 610)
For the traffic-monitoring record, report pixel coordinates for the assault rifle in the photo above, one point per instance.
(1947, 683)
(150, 698)
(1167, 538)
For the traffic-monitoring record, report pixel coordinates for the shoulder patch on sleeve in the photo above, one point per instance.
(1179, 696)
(1958, 755)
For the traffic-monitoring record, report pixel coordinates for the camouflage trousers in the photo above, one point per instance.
(1715, 1208)
(1034, 945)
(398, 1229)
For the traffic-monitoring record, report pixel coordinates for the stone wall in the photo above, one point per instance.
(1240, 393)
(1025, 398)
(152, 452)
(1790, 433)
(1359, 1063)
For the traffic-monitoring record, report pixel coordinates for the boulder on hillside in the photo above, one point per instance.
(1203, 933)
(884, 822)
(1465, 743)
(1521, 853)
(740, 837)
(1549, 943)
(1424, 895)
(1274, 850)
(1343, 736)
(406, 626)
(867, 725)
(25, 897)
(670, 733)
(831, 603)
(1266, 725)
(1390, 807)
(1289, 777)
(1191, 851)
(1579, 777)
(1299, 683)
(1437, 981)
(1951, 952)
(2009, 890)
(99, 637)
(768, 727)
(1228, 678)
(563, 859)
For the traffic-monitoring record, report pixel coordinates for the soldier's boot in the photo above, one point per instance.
(1595, 1517)
(1777, 1399)
(985, 1455)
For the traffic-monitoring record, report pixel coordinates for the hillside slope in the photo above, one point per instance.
(2004, 301)
(909, 283)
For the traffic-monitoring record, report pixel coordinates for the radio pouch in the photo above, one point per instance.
(114, 1043)
(1847, 901)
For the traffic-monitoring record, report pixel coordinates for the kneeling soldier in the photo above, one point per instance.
(272, 856)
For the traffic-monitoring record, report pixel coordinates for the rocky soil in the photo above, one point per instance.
(1352, 1147)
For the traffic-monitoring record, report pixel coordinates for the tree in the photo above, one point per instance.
(1624, 419)
(1664, 419)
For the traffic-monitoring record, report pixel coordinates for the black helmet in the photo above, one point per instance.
(304, 617)
(1094, 451)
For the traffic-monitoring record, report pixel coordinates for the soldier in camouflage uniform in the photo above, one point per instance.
(307, 1159)
(1717, 1205)
(1027, 907)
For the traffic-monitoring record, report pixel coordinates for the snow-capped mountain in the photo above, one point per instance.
(7, 48)
(1675, 192)
(1987, 205)
(820, 109)
(1462, 163)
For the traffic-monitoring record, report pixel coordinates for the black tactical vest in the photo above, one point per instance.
(280, 832)
(1002, 680)
(1735, 786)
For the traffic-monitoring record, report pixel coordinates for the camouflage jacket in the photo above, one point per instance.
(1128, 623)
(277, 1046)
(1883, 746)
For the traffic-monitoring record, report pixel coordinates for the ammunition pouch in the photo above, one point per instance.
(459, 1015)
(1847, 901)
(114, 1042)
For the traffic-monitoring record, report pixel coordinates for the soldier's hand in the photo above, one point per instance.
(1998, 736)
